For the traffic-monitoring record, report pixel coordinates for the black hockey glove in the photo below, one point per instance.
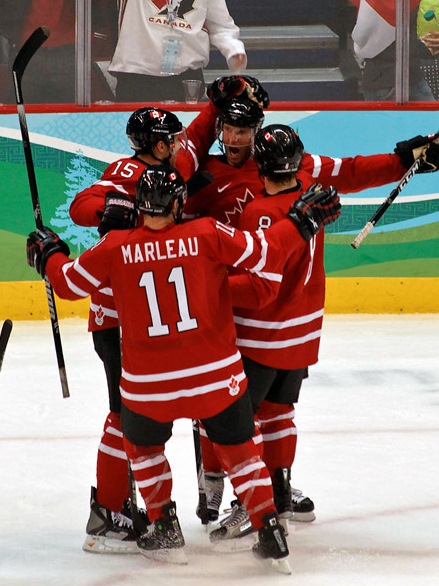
(41, 244)
(426, 147)
(223, 89)
(256, 92)
(120, 213)
(314, 209)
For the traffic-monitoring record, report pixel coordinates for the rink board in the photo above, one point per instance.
(396, 268)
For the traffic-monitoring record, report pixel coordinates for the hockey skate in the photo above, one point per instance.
(303, 507)
(110, 532)
(272, 547)
(163, 540)
(282, 496)
(236, 524)
(214, 496)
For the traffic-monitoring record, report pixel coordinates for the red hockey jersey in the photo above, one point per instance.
(171, 290)
(234, 187)
(285, 333)
(122, 176)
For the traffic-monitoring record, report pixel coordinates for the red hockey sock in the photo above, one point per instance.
(153, 476)
(279, 434)
(211, 464)
(112, 486)
(249, 477)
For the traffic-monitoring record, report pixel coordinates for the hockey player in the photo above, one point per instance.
(155, 136)
(280, 341)
(236, 183)
(154, 272)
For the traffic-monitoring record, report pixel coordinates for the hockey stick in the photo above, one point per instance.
(138, 523)
(25, 54)
(4, 338)
(386, 204)
(202, 498)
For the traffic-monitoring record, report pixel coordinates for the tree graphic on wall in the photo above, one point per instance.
(79, 175)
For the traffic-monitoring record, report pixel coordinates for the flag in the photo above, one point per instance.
(374, 30)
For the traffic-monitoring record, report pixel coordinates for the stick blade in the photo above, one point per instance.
(4, 338)
(28, 50)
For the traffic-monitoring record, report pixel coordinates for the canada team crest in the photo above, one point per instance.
(233, 386)
(99, 316)
(179, 8)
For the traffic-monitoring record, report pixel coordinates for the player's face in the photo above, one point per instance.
(237, 142)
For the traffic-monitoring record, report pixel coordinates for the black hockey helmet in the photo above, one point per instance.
(157, 188)
(278, 149)
(242, 112)
(147, 126)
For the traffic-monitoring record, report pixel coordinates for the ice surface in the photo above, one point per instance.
(368, 455)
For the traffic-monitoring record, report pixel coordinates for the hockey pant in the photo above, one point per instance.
(242, 463)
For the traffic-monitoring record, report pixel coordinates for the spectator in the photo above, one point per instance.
(428, 33)
(162, 43)
(50, 76)
(375, 47)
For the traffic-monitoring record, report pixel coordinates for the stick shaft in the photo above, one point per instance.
(24, 56)
(386, 204)
(203, 512)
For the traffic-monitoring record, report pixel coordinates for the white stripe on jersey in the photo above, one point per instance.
(183, 373)
(277, 345)
(248, 251)
(261, 264)
(193, 151)
(278, 325)
(269, 276)
(115, 186)
(106, 291)
(317, 165)
(337, 167)
(70, 284)
(180, 393)
(87, 276)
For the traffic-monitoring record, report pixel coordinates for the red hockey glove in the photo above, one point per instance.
(40, 247)
(426, 147)
(314, 209)
(120, 213)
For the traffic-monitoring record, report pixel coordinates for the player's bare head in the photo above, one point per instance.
(157, 190)
(278, 152)
(236, 127)
(147, 126)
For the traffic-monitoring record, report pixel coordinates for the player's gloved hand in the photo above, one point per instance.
(120, 213)
(41, 244)
(255, 91)
(223, 89)
(314, 209)
(426, 147)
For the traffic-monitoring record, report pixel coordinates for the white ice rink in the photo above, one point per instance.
(368, 455)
